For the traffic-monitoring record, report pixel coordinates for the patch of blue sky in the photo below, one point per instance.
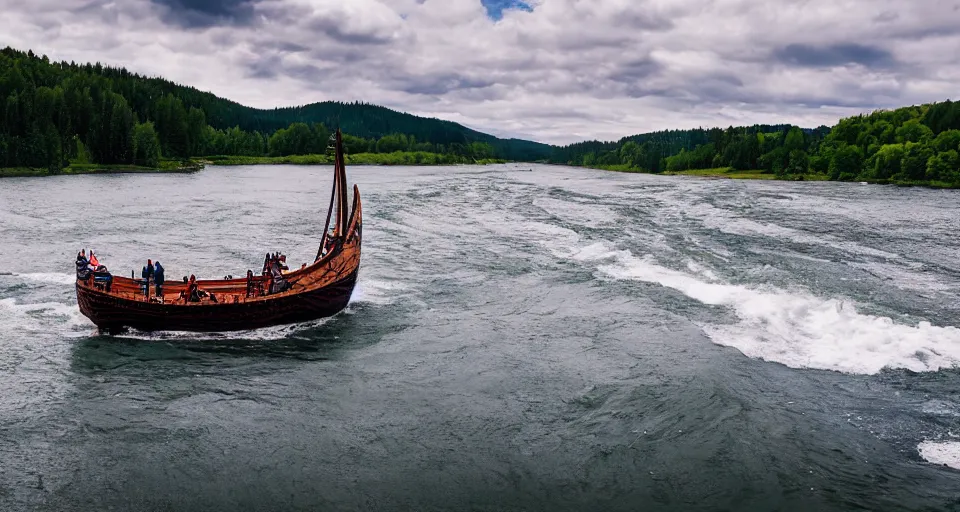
(495, 8)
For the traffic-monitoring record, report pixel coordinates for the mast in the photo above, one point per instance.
(342, 213)
(335, 191)
(326, 225)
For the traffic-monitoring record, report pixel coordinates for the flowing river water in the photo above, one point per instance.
(522, 337)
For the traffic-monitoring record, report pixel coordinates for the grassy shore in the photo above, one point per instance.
(169, 166)
(726, 172)
(720, 172)
(396, 158)
(730, 173)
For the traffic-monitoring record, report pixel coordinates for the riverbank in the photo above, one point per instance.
(726, 172)
(758, 174)
(409, 158)
(720, 172)
(395, 158)
(165, 167)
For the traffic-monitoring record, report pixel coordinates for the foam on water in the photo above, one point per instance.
(728, 222)
(700, 269)
(945, 452)
(582, 213)
(904, 278)
(794, 328)
(939, 408)
(274, 333)
(49, 277)
(17, 317)
(376, 291)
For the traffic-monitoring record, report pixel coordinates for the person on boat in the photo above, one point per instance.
(330, 245)
(278, 283)
(250, 286)
(193, 289)
(146, 273)
(93, 260)
(83, 266)
(158, 278)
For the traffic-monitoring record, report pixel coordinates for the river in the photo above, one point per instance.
(522, 337)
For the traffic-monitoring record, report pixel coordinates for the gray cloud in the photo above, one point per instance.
(834, 55)
(643, 20)
(565, 71)
(886, 16)
(442, 84)
(332, 27)
(635, 70)
(205, 13)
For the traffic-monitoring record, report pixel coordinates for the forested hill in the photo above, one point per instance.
(54, 112)
(369, 122)
(909, 145)
(651, 151)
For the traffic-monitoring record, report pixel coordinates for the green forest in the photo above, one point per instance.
(911, 145)
(59, 114)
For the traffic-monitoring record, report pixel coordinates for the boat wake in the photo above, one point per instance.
(16, 317)
(47, 277)
(70, 323)
(379, 292)
(946, 453)
(794, 328)
(274, 333)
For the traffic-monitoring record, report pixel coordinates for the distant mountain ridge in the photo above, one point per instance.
(19, 71)
(356, 118)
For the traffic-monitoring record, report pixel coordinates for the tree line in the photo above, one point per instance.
(54, 113)
(917, 144)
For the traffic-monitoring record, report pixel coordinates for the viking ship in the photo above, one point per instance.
(318, 290)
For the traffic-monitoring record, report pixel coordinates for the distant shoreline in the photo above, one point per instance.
(27, 172)
(411, 159)
(404, 158)
(733, 174)
(365, 160)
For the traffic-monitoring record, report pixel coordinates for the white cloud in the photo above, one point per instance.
(567, 71)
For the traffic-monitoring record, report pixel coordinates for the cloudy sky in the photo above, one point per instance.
(556, 71)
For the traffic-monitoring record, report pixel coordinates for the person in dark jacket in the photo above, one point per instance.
(146, 273)
(278, 283)
(158, 278)
(250, 286)
(83, 265)
(193, 289)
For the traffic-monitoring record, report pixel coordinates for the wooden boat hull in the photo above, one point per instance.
(112, 314)
(317, 291)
